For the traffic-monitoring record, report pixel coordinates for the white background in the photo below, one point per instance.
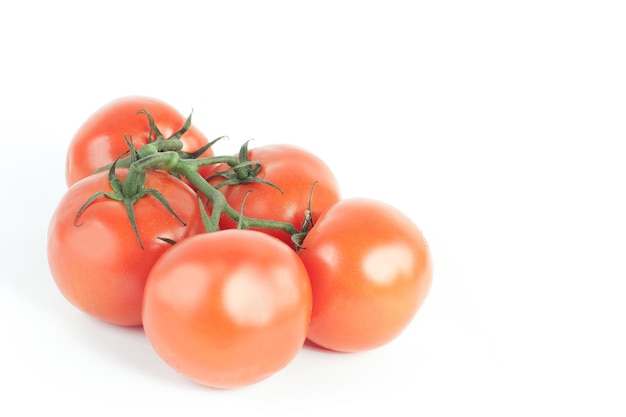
(497, 126)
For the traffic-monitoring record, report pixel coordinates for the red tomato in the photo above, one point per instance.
(99, 265)
(370, 271)
(100, 140)
(228, 308)
(294, 171)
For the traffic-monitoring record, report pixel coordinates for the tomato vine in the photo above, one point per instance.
(166, 154)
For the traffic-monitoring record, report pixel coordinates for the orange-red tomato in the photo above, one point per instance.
(292, 169)
(100, 139)
(228, 308)
(370, 271)
(98, 265)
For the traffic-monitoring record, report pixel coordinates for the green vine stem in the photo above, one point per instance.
(162, 153)
(188, 168)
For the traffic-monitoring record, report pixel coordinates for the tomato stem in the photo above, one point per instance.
(189, 170)
(166, 154)
(170, 145)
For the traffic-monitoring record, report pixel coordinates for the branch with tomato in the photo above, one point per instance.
(230, 263)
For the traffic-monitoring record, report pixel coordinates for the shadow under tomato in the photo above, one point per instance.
(309, 345)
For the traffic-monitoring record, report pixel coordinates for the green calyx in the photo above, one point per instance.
(156, 135)
(120, 193)
(244, 172)
(157, 142)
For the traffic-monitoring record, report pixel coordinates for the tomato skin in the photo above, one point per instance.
(370, 271)
(99, 266)
(100, 139)
(229, 308)
(294, 170)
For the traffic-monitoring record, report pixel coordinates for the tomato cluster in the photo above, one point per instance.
(230, 263)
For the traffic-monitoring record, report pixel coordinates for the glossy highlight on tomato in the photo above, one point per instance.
(100, 139)
(370, 270)
(228, 308)
(97, 262)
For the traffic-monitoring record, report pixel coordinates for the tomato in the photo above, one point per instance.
(100, 140)
(293, 170)
(370, 271)
(97, 262)
(228, 308)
